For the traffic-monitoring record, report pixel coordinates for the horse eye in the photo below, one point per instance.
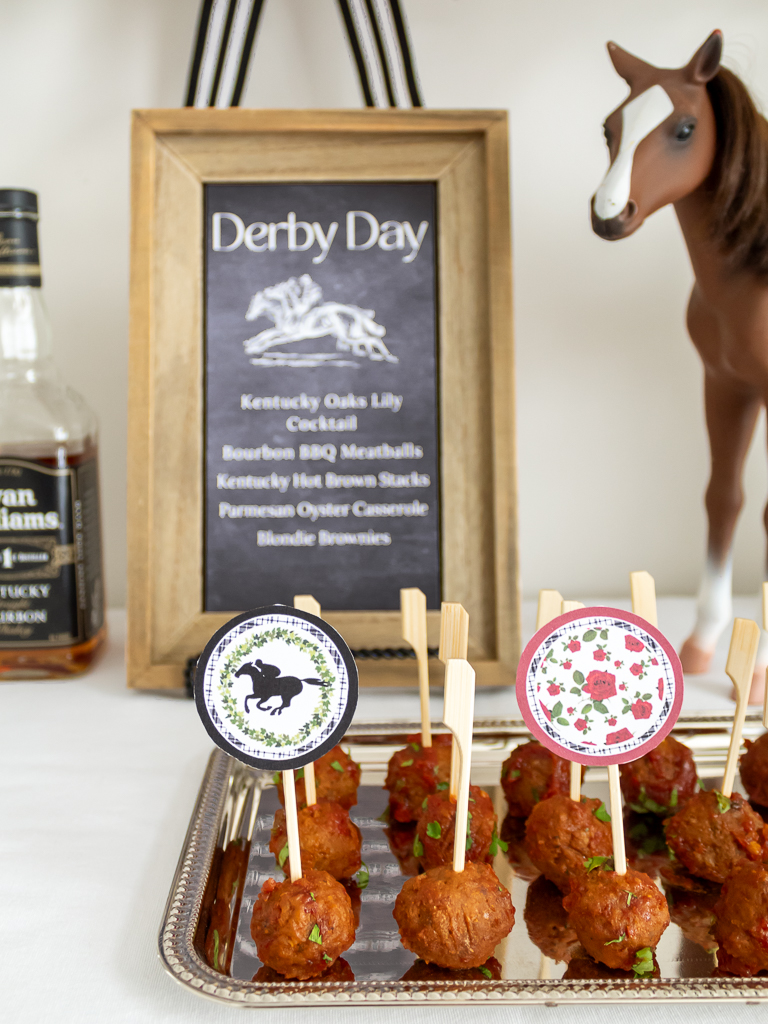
(685, 131)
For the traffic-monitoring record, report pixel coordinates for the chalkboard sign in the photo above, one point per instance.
(321, 391)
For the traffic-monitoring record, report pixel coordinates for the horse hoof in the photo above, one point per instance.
(694, 660)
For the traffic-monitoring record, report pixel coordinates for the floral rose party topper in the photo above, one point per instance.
(599, 686)
(276, 687)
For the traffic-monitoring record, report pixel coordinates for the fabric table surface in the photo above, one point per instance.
(97, 785)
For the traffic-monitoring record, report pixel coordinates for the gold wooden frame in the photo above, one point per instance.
(174, 153)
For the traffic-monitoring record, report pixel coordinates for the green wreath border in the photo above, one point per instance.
(229, 702)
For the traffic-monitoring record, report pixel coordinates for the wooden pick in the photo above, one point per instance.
(570, 606)
(292, 824)
(617, 820)
(547, 604)
(739, 668)
(550, 603)
(458, 715)
(765, 626)
(454, 641)
(413, 612)
(307, 603)
(643, 589)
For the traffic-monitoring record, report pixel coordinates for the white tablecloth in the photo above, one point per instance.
(97, 784)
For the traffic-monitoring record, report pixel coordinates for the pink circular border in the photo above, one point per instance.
(589, 759)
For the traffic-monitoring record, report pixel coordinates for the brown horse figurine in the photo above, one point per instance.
(692, 137)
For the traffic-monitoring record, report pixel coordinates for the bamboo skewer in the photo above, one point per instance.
(454, 641)
(458, 715)
(765, 626)
(307, 603)
(570, 606)
(739, 668)
(550, 605)
(643, 589)
(413, 612)
(617, 821)
(292, 824)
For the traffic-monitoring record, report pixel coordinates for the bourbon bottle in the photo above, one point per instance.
(51, 590)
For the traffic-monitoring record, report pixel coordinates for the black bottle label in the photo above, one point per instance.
(51, 592)
(19, 252)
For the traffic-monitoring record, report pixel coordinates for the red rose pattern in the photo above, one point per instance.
(599, 655)
(633, 644)
(618, 737)
(636, 669)
(567, 665)
(611, 721)
(600, 685)
(554, 689)
(574, 646)
(641, 709)
(661, 688)
(654, 661)
(580, 724)
(546, 711)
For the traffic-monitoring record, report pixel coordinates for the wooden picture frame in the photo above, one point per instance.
(174, 154)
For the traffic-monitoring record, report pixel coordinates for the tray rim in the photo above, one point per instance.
(179, 958)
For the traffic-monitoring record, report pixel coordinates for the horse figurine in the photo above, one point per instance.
(298, 313)
(693, 137)
(268, 683)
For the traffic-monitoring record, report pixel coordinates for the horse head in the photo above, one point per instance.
(661, 139)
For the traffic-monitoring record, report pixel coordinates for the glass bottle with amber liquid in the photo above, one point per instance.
(51, 589)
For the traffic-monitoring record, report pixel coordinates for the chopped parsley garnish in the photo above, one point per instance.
(424, 803)
(384, 816)
(701, 784)
(606, 863)
(315, 936)
(433, 829)
(513, 773)
(630, 896)
(337, 766)
(643, 962)
(403, 764)
(312, 897)
(497, 844)
(485, 972)
(215, 950)
(328, 959)
(441, 786)
(362, 877)
(673, 798)
(276, 778)
(612, 942)
(282, 857)
(602, 814)
(415, 747)
(300, 773)
(723, 803)
(418, 847)
(645, 805)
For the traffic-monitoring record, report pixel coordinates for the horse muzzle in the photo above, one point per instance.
(616, 227)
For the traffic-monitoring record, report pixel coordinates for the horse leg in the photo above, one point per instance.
(731, 414)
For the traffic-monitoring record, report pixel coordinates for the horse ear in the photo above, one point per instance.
(705, 63)
(630, 67)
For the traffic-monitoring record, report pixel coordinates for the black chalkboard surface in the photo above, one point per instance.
(321, 391)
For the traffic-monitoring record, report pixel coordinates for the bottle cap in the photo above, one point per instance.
(18, 199)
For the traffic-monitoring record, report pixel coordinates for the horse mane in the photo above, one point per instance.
(738, 182)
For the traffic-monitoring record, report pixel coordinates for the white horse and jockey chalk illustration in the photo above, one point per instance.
(298, 313)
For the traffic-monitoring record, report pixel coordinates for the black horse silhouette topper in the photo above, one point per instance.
(268, 682)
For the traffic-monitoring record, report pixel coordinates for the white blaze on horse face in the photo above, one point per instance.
(638, 120)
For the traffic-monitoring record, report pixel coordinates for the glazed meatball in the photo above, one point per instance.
(617, 916)
(742, 920)
(337, 777)
(435, 829)
(753, 768)
(547, 921)
(513, 836)
(454, 919)
(662, 781)
(713, 833)
(329, 840)
(562, 834)
(532, 773)
(415, 772)
(301, 927)
(694, 914)
(338, 971)
(420, 971)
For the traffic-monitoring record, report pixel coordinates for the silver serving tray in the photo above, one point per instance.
(234, 809)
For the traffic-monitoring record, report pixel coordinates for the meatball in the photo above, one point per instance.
(753, 768)
(329, 840)
(400, 839)
(337, 777)
(532, 773)
(301, 927)
(647, 848)
(562, 834)
(617, 916)
(433, 842)
(547, 921)
(713, 833)
(662, 781)
(742, 920)
(420, 971)
(338, 971)
(454, 919)
(415, 772)
(585, 968)
(513, 837)
(694, 914)
(225, 910)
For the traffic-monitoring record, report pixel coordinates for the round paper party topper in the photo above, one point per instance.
(599, 686)
(276, 687)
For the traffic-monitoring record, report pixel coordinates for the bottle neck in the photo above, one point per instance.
(25, 335)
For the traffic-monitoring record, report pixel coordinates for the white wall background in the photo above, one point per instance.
(612, 451)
